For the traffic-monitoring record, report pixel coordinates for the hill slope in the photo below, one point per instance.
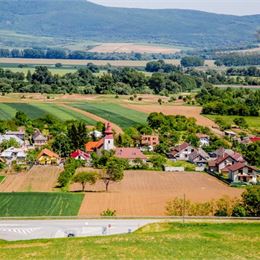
(84, 20)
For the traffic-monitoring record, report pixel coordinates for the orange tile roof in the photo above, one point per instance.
(48, 153)
(91, 146)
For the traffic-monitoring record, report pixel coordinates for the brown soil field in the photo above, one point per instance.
(131, 47)
(188, 111)
(39, 178)
(145, 193)
(117, 129)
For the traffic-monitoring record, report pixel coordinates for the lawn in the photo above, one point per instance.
(36, 110)
(39, 204)
(115, 113)
(156, 241)
(187, 165)
(252, 121)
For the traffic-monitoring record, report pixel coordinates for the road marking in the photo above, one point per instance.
(22, 231)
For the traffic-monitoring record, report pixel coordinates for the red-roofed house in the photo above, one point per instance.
(240, 172)
(130, 154)
(255, 139)
(222, 162)
(80, 155)
(106, 143)
(181, 152)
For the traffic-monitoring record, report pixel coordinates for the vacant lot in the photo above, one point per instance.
(156, 241)
(115, 113)
(188, 111)
(39, 204)
(132, 47)
(38, 179)
(36, 110)
(145, 193)
(252, 121)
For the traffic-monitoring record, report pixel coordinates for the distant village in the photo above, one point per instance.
(224, 163)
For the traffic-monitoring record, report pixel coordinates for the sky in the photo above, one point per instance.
(237, 7)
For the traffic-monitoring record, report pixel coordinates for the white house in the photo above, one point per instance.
(203, 139)
(181, 152)
(14, 154)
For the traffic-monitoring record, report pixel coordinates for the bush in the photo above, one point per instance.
(108, 213)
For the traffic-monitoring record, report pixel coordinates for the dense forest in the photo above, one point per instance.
(238, 59)
(116, 81)
(241, 102)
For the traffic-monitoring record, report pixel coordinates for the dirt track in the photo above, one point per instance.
(94, 117)
(39, 178)
(146, 193)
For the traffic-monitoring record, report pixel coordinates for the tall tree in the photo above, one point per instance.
(85, 177)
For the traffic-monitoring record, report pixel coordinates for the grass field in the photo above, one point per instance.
(156, 241)
(36, 110)
(115, 113)
(252, 121)
(187, 166)
(39, 204)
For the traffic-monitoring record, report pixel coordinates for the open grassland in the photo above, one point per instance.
(252, 121)
(39, 204)
(36, 110)
(146, 193)
(155, 241)
(115, 113)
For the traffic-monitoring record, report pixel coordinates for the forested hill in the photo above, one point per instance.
(84, 20)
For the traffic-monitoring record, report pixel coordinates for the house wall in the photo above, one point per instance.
(184, 154)
(235, 178)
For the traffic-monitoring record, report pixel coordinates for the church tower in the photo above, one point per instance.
(109, 138)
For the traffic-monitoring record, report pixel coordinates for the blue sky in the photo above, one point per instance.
(238, 7)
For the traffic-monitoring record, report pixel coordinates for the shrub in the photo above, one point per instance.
(108, 213)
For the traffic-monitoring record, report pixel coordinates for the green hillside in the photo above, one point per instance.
(80, 19)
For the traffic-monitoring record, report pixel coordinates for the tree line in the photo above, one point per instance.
(238, 59)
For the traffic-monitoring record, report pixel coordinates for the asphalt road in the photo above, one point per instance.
(38, 229)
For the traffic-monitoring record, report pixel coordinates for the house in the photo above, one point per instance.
(181, 152)
(14, 154)
(96, 134)
(104, 144)
(39, 139)
(240, 172)
(203, 139)
(47, 157)
(199, 157)
(80, 155)
(131, 154)
(222, 162)
(255, 139)
(20, 134)
(9, 137)
(150, 140)
(230, 134)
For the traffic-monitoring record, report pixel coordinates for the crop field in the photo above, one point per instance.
(252, 121)
(155, 241)
(146, 193)
(36, 110)
(115, 113)
(39, 204)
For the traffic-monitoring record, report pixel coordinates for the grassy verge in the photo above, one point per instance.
(2, 179)
(187, 165)
(115, 113)
(39, 204)
(252, 121)
(156, 241)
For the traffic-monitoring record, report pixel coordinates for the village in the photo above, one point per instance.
(224, 164)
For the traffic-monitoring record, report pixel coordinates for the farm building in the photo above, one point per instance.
(240, 172)
(106, 143)
(130, 154)
(39, 139)
(47, 157)
(9, 137)
(20, 134)
(181, 152)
